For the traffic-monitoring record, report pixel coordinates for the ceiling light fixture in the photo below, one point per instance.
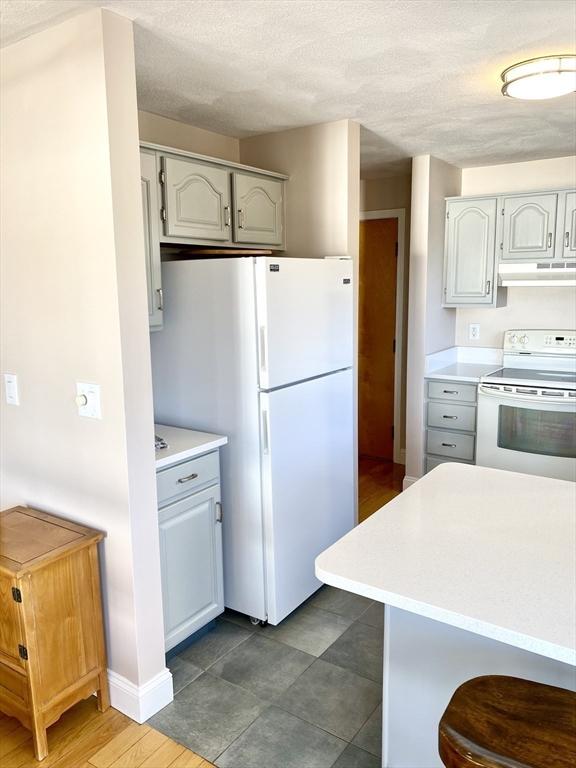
(543, 78)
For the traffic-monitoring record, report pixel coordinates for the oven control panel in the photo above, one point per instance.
(537, 341)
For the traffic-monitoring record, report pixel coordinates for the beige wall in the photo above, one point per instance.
(172, 133)
(74, 309)
(322, 199)
(526, 307)
(430, 327)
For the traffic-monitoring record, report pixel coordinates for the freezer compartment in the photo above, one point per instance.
(308, 460)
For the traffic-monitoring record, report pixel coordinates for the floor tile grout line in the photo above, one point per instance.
(380, 704)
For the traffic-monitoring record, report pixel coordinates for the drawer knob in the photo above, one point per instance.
(449, 417)
(449, 445)
(450, 391)
(187, 479)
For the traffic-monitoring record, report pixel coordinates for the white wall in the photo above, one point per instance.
(526, 307)
(172, 133)
(323, 194)
(74, 309)
(430, 327)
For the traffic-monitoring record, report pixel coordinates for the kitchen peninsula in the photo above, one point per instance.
(476, 568)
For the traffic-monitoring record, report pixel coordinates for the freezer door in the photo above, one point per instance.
(308, 483)
(304, 318)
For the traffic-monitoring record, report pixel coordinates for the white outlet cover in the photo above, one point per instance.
(11, 389)
(92, 409)
(474, 331)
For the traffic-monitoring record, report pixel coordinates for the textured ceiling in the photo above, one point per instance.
(421, 76)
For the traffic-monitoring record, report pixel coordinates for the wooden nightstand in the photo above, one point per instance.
(52, 651)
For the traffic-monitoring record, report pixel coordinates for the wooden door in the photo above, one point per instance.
(377, 327)
(191, 562)
(196, 199)
(11, 635)
(529, 227)
(151, 216)
(469, 251)
(569, 229)
(258, 210)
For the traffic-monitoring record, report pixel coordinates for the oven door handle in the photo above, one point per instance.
(500, 395)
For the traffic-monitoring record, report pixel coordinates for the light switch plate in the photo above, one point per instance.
(474, 331)
(11, 388)
(88, 400)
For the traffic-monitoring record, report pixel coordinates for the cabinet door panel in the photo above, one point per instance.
(10, 629)
(151, 214)
(197, 200)
(469, 255)
(191, 559)
(258, 216)
(529, 227)
(569, 233)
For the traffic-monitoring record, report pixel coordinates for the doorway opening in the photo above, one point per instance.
(380, 347)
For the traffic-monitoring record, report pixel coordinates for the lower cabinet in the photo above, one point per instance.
(191, 558)
(450, 423)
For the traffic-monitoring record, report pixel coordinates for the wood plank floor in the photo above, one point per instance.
(378, 483)
(86, 738)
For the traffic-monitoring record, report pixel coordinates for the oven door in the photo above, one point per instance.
(535, 435)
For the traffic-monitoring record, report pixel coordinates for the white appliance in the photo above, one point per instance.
(260, 349)
(536, 274)
(527, 409)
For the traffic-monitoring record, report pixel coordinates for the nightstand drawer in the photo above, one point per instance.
(187, 476)
(452, 390)
(452, 416)
(451, 444)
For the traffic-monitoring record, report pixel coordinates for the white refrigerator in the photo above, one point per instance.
(260, 349)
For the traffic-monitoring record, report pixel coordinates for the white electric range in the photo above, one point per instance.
(527, 409)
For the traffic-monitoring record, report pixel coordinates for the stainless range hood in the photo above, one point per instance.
(537, 274)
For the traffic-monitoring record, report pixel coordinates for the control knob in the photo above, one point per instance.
(524, 339)
(513, 338)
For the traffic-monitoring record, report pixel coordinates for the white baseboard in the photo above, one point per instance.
(139, 702)
(407, 482)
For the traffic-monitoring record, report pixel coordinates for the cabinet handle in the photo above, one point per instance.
(240, 218)
(187, 479)
(449, 417)
(567, 239)
(219, 514)
(160, 298)
(226, 215)
(549, 239)
(450, 391)
(488, 286)
(449, 445)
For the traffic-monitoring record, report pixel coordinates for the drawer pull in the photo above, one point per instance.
(450, 391)
(449, 417)
(187, 479)
(449, 445)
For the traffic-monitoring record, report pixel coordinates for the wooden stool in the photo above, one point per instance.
(505, 722)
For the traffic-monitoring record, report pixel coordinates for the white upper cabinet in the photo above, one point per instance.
(196, 200)
(569, 229)
(529, 227)
(469, 257)
(258, 210)
(150, 212)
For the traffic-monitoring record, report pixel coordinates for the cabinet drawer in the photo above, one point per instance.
(452, 444)
(449, 415)
(452, 390)
(433, 461)
(187, 476)
(14, 682)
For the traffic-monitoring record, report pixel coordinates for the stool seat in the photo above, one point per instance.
(506, 722)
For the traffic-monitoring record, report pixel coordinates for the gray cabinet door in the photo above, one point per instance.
(151, 216)
(569, 230)
(191, 562)
(469, 256)
(196, 200)
(529, 227)
(258, 210)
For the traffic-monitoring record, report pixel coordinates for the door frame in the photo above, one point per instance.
(400, 214)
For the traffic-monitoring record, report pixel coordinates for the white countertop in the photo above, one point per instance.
(184, 444)
(463, 371)
(485, 550)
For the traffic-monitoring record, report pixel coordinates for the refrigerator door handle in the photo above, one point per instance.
(265, 433)
(263, 348)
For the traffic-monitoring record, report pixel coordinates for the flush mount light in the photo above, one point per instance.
(541, 78)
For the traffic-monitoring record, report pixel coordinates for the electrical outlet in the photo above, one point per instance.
(474, 331)
(88, 400)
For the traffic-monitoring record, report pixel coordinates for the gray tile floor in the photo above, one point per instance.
(304, 694)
